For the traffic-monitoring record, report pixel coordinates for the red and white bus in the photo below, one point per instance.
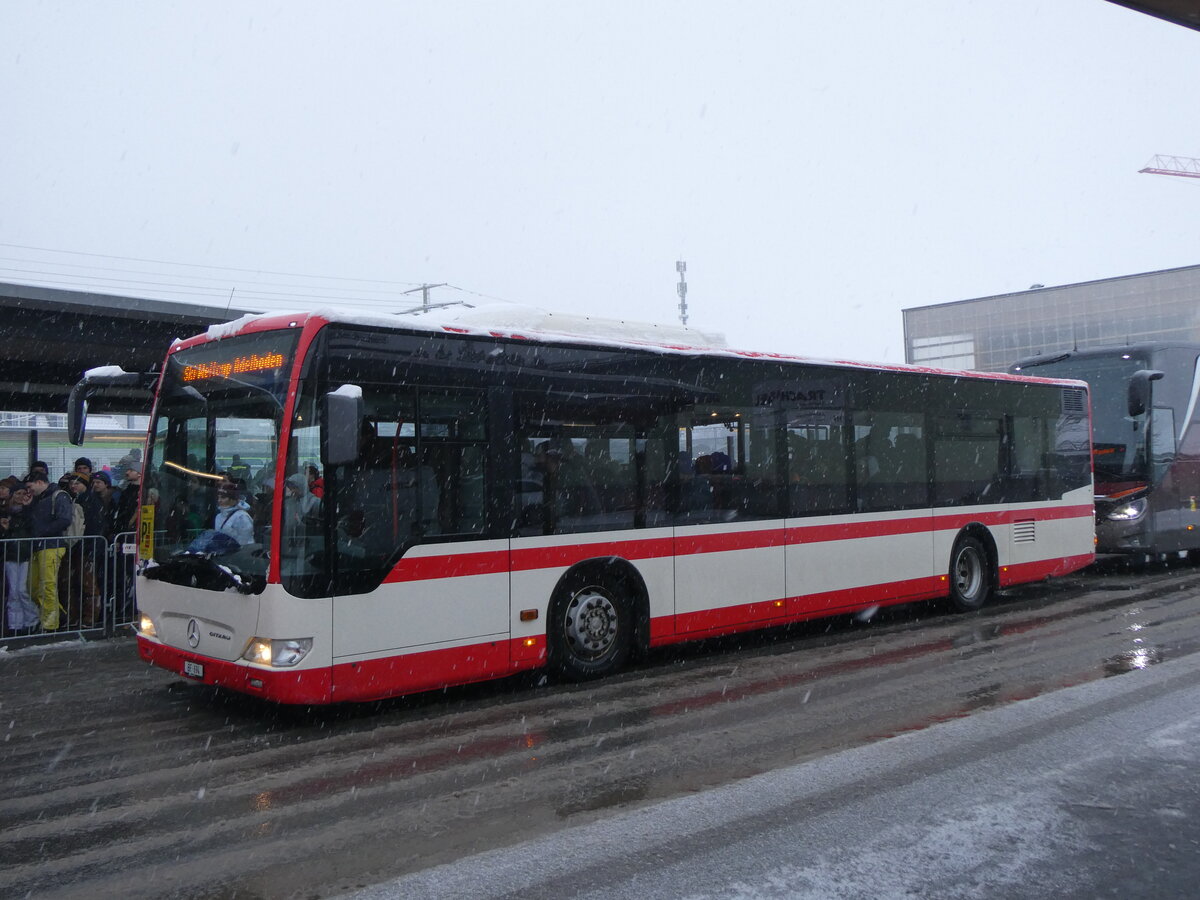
(499, 494)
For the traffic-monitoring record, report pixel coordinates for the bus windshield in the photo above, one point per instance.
(1118, 440)
(214, 438)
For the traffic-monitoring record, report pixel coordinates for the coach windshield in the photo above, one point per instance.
(1119, 442)
(209, 470)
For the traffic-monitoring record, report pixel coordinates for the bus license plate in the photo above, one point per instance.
(193, 669)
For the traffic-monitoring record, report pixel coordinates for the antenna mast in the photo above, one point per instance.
(681, 288)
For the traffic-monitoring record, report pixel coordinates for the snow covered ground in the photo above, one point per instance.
(1085, 792)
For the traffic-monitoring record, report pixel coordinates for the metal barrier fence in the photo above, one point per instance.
(66, 587)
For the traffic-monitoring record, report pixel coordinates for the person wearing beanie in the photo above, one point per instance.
(105, 502)
(83, 465)
(132, 459)
(81, 487)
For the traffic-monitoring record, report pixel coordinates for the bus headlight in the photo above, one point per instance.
(146, 626)
(1127, 512)
(278, 653)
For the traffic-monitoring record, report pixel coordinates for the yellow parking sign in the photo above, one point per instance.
(146, 532)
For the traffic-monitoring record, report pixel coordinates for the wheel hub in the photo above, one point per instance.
(968, 573)
(591, 623)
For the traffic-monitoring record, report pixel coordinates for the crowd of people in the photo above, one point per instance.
(52, 578)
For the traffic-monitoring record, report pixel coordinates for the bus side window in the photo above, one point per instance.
(968, 460)
(891, 463)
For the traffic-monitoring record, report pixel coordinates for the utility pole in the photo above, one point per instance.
(681, 288)
(424, 289)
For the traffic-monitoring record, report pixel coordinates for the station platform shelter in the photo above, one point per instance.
(50, 338)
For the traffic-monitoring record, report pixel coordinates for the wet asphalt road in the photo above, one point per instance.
(119, 779)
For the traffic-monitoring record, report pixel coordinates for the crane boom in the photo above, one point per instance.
(1184, 166)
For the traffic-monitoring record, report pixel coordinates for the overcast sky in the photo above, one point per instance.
(820, 166)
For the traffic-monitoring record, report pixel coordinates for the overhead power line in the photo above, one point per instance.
(163, 262)
(253, 290)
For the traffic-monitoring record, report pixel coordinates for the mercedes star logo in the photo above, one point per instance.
(193, 634)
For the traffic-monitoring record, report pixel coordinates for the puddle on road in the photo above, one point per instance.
(629, 791)
(1132, 660)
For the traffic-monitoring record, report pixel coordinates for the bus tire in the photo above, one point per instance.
(970, 575)
(591, 628)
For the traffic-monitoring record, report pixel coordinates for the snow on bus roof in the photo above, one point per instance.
(521, 322)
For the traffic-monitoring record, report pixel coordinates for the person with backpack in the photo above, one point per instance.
(84, 557)
(50, 514)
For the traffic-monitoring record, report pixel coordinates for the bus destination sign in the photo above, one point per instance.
(239, 365)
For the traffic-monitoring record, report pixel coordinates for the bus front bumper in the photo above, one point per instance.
(297, 686)
(1122, 537)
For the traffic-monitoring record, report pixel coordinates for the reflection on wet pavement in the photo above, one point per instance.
(1131, 660)
(626, 792)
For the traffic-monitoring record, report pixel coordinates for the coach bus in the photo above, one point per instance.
(1146, 446)
(503, 491)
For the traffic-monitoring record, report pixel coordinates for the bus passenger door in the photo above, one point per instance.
(861, 527)
(1170, 510)
(729, 555)
(432, 600)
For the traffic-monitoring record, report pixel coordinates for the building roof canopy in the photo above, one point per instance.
(1181, 12)
(51, 337)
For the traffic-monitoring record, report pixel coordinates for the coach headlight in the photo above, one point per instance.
(146, 626)
(278, 653)
(1127, 512)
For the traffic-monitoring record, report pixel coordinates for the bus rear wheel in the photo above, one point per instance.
(591, 629)
(970, 577)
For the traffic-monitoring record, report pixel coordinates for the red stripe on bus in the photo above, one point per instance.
(827, 603)
(373, 679)
(1021, 573)
(734, 540)
(850, 531)
(763, 614)
(530, 558)
(450, 565)
(1008, 516)
(281, 685)
(420, 568)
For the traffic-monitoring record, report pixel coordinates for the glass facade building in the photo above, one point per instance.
(991, 333)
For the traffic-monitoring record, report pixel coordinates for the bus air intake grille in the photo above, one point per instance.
(1074, 402)
(1024, 531)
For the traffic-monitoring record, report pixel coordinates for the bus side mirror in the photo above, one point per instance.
(128, 386)
(341, 421)
(1139, 390)
(77, 403)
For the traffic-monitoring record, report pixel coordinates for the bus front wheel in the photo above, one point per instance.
(970, 579)
(591, 629)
